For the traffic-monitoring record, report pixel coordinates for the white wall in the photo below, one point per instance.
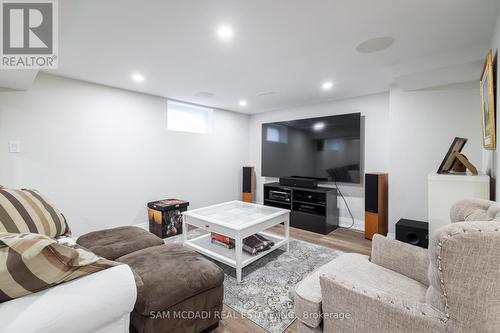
(491, 157)
(375, 113)
(406, 134)
(100, 154)
(423, 125)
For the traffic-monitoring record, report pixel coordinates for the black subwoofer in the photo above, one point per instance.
(413, 232)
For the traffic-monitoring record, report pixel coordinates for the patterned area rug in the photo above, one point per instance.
(265, 295)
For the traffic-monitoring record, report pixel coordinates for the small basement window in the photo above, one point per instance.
(184, 117)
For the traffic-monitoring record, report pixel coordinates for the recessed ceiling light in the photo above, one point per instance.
(327, 85)
(375, 44)
(319, 126)
(243, 103)
(137, 77)
(204, 94)
(225, 32)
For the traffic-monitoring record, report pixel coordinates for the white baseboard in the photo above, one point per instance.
(144, 225)
(346, 222)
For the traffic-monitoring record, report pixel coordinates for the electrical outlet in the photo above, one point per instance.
(14, 147)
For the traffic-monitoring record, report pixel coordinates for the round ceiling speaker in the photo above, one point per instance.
(375, 45)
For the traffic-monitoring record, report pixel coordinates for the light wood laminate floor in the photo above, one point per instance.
(340, 239)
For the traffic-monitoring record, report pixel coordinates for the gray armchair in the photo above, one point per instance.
(452, 287)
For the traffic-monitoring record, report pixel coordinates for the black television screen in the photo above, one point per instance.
(324, 148)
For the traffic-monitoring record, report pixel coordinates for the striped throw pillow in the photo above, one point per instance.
(27, 211)
(33, 262)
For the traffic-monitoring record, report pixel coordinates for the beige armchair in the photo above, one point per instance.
(452, 287)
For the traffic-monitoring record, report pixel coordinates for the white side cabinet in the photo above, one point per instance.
(445, 190)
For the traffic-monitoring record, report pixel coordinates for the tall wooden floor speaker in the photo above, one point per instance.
(376, 204)
(248, 185)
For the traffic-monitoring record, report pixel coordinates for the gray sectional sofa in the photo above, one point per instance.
(178, 290)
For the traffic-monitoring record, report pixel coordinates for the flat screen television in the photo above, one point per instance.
(324, 148)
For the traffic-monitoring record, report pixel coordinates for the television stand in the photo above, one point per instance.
(310, 209)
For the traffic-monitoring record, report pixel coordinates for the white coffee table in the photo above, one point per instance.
(238, 220)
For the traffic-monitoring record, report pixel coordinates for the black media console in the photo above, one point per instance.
(311, 209)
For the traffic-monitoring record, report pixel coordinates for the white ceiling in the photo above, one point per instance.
(286, 46)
